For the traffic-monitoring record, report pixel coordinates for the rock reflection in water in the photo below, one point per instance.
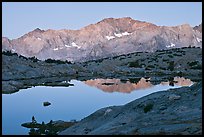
(117, 85)
(179, 81)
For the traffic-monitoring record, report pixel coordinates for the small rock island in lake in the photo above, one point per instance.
(46, 103)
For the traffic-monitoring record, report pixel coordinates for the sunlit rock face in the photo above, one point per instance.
(109, 37)
(116, 85)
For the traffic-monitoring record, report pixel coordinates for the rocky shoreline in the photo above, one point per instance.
(172, 112)
(19, 72)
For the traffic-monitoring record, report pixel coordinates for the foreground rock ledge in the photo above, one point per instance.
(175, 111)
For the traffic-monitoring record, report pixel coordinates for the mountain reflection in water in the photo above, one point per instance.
(180, 81)
(116, 85)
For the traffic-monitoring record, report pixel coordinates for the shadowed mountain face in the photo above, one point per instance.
(109, 37)
(116, 85)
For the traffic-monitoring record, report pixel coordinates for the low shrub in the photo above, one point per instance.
(57, 61)
(171, 66)
(23, 57)
(34, 59)
(199, 66)
(163, 68)
(192, 63)
(134, 64)
(9, 53)
(151, 66)
(148, 107)
(164, 60)
(170, 56)
(177, 54)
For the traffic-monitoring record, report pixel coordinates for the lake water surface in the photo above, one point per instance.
(75, 102)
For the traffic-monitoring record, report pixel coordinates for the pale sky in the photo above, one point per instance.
(19, 18)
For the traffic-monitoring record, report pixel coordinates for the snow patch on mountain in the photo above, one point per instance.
(121, 34)
(199, 40)
(118, 35)
(75, 45)
(68, 46)
(125, 33)
(172, 45)
(110, 37)
(39, 38)
(56, 49)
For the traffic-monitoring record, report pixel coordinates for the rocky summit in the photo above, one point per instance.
(107, 38)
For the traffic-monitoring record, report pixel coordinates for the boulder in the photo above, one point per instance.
(46, 103)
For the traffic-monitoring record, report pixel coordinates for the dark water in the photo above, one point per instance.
(76, 102)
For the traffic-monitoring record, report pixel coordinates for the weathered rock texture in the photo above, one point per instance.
(171, 112)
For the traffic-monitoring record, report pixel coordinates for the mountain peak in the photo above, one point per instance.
(38, 30)
(106, 20)
(125, 19)
(115, 19)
